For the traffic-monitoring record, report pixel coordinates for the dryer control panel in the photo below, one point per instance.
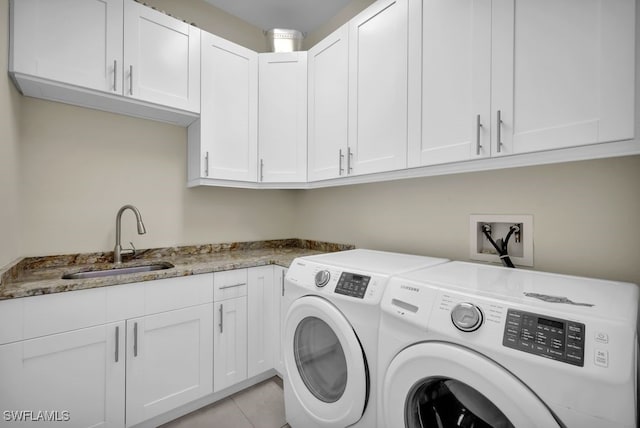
(549, 337)
(351, 284)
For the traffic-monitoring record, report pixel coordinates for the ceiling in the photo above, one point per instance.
(301, 15)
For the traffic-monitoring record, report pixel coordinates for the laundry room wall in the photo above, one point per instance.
(76, 167)
(10, 245)
(585, 214)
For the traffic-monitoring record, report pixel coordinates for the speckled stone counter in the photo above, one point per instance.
(43, 275)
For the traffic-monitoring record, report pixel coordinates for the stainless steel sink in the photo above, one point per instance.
(117, 271)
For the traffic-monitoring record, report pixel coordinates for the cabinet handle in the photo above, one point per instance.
(131, 80)
(115, 75)
(478, 127)
(282, 283)
(206, 164)
(261, 169)
(340, 157)
(117, 343)
(349, 157)
(499, 130)
(135, 339)
(232, 286)
(221, 318)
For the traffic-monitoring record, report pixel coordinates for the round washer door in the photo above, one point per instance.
(431, 384)
(324, 362)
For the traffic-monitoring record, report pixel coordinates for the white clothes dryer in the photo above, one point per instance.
(330, 335)
(465, 345)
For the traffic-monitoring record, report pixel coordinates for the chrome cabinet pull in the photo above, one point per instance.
(499, 131)
(261, 169)
(221, 318)
(115, 75)
(206, 164)
(131, 80)
(478, 127)
(135, 339)
(349, 158)
(282, 283)
(224, 287)
(340, 157)
(117, 343)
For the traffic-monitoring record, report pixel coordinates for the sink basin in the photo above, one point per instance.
(117, 271)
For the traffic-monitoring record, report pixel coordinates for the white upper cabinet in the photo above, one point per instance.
(282, 117)
(113, 55)
(328, 106)
(161, 58)
(76, 41)
(223, 143)
(506, 77)
(378, 88)
(563, 73)
(454, 51)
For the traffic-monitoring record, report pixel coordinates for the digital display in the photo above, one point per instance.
(551, 323)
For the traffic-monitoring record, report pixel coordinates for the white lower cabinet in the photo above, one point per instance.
(230, 343)
(106, 357)
(77, 377)
(247, 324)
(279, 273)
(158, 345)
(230, 328)
(169, 361)
(262, 320)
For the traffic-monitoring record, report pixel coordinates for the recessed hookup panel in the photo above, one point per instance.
(520, 244)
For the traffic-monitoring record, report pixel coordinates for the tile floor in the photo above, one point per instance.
(261, 406)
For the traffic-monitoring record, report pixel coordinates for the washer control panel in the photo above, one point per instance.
(549, 337)
(351, 284)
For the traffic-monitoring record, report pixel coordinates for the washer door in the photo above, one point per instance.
(439, 385)
(325, 363)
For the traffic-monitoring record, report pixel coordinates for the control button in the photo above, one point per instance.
(602, 337)
(575, 328)
(322, 278)
(601, 358)
(513, 331)
(466, 316)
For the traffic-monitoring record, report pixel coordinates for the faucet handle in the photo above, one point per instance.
(131, 250)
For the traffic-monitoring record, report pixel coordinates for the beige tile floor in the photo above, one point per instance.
(261, 406)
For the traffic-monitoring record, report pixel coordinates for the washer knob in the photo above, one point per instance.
(466, 317)
(322, 278)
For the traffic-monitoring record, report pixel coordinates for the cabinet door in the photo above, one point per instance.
(282, 117)
(378, 88)
(280, 273)
(454, 81)
(229, 113)
(563, 73)
(161, 58)
(262, 321)
(328, 106)
(169, 361)
(229, 343)
(76, 376)
(71, 41)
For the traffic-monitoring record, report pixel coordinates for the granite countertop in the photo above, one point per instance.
(43, 275)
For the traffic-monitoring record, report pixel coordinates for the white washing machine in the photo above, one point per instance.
(471, 345)
(330, 335)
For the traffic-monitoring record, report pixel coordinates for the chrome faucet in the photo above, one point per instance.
(117, 251)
